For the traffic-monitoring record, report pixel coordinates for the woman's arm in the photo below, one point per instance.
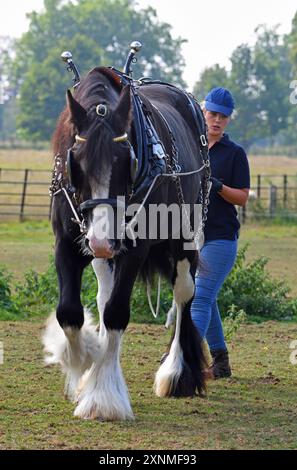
(238, 197)
(235, 196)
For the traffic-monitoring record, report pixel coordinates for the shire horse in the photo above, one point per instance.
(98, 126)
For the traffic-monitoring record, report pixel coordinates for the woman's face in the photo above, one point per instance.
(216, 123)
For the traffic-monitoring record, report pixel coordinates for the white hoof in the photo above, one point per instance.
(103, 395)
(168, 373)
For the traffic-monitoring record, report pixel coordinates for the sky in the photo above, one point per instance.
(213, 28)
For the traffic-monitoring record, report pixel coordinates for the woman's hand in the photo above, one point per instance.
(235, 196)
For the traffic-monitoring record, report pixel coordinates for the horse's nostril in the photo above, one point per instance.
(87, 243)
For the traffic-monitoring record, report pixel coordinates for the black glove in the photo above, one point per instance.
(217, 185)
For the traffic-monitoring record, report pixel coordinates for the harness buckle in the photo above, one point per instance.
(203, 140)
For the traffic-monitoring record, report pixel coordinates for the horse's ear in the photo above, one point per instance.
(78, 114)
(122, 114)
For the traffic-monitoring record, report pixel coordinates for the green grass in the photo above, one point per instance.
(25, 246)
(26, 158)
(274, 165)
(28, 245)
(255, 409)
(278, 243)
(42, 160)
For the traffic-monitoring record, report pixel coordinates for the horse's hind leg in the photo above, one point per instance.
(181, 371)
(70, 339)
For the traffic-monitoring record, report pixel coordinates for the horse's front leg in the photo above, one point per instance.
(69, 338)
(103, 391)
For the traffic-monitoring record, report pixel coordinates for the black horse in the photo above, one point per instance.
(95, 144)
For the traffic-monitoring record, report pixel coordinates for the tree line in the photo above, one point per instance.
(98, 32)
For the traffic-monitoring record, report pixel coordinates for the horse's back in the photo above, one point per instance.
(162, 95)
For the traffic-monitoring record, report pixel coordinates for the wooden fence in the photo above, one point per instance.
(24, 195)
(272, 196)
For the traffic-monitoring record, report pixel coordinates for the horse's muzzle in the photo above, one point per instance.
(100, 248)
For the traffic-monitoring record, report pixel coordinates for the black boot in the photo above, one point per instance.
(220, 367)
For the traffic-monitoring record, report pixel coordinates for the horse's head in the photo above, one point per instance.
(99, 165)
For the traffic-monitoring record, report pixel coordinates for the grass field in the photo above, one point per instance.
(28, 245)
(37, 198)
(255, 409)
(42, 160)
(26, 158)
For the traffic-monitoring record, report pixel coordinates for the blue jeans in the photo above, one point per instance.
(217, 258)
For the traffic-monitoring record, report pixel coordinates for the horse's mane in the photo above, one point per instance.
(99, 85)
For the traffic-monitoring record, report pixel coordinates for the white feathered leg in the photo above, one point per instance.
(103, 392)
(170, 371)
(171, 315)
(74, 349)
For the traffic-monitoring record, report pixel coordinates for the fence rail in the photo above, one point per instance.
(24, 195)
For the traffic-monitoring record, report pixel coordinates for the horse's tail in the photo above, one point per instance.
(194, 359)
(182, 368)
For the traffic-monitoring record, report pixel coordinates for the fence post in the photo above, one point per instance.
(24, 195)
(258, 186)
(285, 190)
(272, 200)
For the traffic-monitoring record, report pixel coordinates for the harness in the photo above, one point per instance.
(148, 159)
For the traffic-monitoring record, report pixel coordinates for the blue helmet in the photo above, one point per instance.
(220, 100)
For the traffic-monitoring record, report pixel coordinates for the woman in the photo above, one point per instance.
(230, 187)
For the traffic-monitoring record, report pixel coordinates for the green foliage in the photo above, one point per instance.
(292, 41)
(250, 288)
(140, 311)
(98, 32)
(234, 319)
(211, 77)
(38, 293)
(8, 108)
(259, 79)
(8, 309)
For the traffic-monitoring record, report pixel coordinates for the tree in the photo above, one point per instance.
(259, 81)
(98, 32)
(247, 125)
(7, 92)
(290, 135)
(211, 77)
(292, 43)
(274, 74)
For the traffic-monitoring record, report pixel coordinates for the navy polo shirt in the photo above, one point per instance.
(229, 164)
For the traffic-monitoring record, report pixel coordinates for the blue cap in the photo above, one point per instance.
(220, 100)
